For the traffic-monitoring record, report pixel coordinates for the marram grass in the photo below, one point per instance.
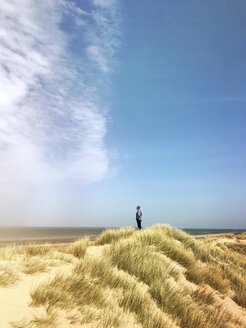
(159, 277)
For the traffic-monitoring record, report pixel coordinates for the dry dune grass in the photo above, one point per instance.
(78, 248)
(7, 275)
(153, 278)
(241, 236)
(44, 320)
(31, 259)
(96, 287)
(112, 235)
(238, 248)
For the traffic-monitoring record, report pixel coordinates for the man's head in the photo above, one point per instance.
(138, 207)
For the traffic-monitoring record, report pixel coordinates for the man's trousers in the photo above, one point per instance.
(139, 223)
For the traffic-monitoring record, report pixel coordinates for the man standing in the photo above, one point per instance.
(139, 217)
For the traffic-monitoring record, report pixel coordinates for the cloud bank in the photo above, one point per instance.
(56, 58)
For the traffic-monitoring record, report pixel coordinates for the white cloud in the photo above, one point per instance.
(53, 120)
(104, 3)
(96, 54)
(104, 42)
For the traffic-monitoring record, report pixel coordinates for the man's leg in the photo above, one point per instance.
(140, 222)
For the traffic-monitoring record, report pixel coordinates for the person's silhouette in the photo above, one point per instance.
(139, 217)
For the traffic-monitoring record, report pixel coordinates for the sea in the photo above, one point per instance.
(20, 235)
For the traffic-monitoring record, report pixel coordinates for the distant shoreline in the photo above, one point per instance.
(57, 240)
(43, 240)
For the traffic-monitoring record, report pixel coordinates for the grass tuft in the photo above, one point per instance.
(112, 235)
(7, 275)
(78, 248)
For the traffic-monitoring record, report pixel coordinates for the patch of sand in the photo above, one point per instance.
(230, 306)
(15, 300)
(235, 310)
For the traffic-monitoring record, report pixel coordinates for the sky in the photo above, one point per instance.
(109, 104)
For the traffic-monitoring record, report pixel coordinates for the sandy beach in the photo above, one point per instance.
(43, 240)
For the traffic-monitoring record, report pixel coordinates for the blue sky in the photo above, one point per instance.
(110, 104)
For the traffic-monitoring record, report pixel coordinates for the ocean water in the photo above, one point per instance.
(211, 231)
(46, 232)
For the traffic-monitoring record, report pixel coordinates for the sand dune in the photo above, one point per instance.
(157, 277)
